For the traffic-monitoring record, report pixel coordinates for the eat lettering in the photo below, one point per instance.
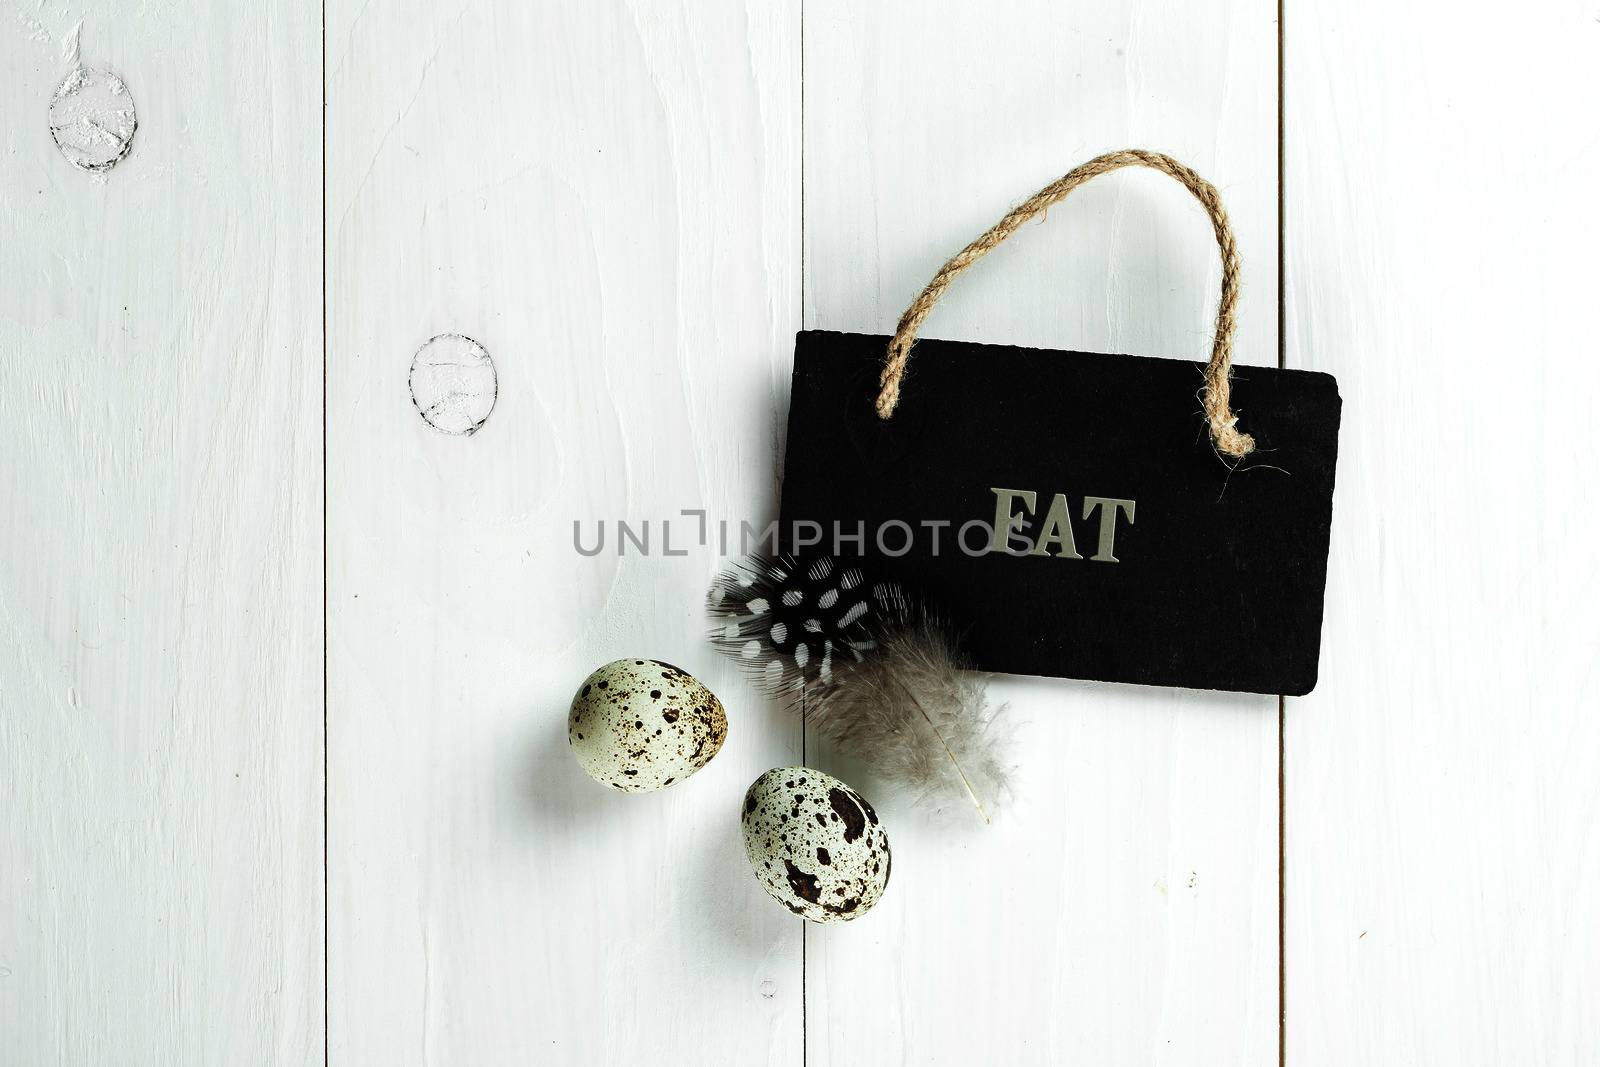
(1056, 526)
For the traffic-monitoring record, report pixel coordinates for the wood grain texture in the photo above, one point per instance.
(1125, 910)
(1443, 806)
(605, 196)
(160, 546)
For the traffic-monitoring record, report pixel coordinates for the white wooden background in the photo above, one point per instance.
(283, 670)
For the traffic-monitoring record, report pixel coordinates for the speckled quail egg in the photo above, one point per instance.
(640, 724)
(815, 844)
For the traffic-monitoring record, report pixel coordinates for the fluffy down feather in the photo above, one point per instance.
(917, 719)
(871, 670)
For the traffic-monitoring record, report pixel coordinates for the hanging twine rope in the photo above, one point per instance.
(1229, 440)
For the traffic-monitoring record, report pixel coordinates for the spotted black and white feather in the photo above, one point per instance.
(872, 669)
(795, 624)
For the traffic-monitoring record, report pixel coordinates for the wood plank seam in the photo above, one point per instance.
(1283, 1013)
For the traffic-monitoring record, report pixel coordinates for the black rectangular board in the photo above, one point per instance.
(1219, 576)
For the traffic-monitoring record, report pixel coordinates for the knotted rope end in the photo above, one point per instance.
(1230, 441)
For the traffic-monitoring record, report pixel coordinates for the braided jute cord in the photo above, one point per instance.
(1229, 440)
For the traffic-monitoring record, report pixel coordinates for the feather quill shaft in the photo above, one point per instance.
(966, 783)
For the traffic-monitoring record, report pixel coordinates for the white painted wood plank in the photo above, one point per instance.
(160, 550)
(1125, 911)
(606, 197)
(1442, 796)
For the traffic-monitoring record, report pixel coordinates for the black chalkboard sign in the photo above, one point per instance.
(1079, 515)
(1130, 549)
